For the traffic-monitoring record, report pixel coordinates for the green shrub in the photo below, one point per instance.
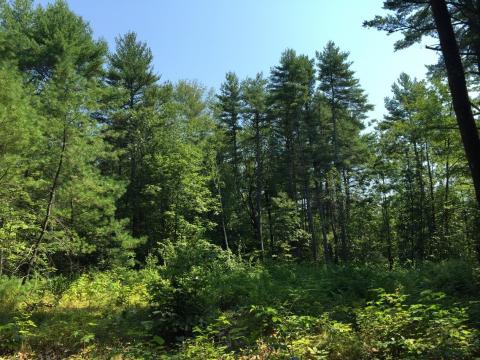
(393, 329)
(268, 333)
(197, 281)
(11, 295)
(108, 289)
(205, 303)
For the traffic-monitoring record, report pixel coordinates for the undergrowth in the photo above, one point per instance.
(204, 303)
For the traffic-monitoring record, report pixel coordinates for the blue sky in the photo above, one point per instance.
(203, 39)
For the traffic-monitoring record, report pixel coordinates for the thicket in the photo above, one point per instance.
(205, 303)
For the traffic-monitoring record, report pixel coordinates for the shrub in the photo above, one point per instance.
(391, 328)
(197, 281)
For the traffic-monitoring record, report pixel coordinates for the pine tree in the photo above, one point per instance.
(21, 139)
(131, 77)
(230, 158)
(61, 65)
(291, 89)
(255, 113)
(348, 107)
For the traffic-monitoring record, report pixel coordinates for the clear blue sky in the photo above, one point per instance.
(203, 39)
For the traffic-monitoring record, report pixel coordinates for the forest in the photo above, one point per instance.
(271, 219)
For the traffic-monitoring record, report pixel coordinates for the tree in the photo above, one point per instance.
(454, 23)
(416, 19)
(238, 213)
(60, 65)
(459, 91)
(254, 109)
(229, 103)
(291, 87)
(348, 107)
(21, 139)
(179, 169)
(130, 69)
(37, 39)
(131, 78)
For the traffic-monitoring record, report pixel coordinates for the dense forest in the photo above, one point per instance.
(274, 219)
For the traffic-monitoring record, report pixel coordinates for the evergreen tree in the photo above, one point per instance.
(456, 24)
(255, 113)
(62, 183)
(21, 139)
(131, 78)
(291, 87)
(238, 214)
(348, 107)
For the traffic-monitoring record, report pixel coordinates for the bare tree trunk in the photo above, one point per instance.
(459, 92)
(311, 225)
(345, 215)
(48, 211)
(259, 183)
(235, 149)
(1, 262)
(458, 89)
(420, 244)
(222, 208)
(270, 221)
(432, 222)
(333, 221)
(446, 210)
(324, 224)
(386, 225)
(412, 223)
(335, 241)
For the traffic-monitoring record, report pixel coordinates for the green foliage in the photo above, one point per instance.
(392, 328)
(204, 303)
(107, 308)
(39, 39)
(19, 129)
(391, 325)
(291, 238)
(197, 280)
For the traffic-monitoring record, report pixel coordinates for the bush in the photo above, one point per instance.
(11, 295)
(105, 290)
(197, 281)
(391, 328)
(205, 303)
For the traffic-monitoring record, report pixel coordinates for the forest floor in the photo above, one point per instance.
(278, 311)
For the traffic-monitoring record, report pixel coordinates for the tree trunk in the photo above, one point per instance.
(446, 210)
(48, 211)
(345, 205)
(270, 221)
(432, 222)
(222, 209)
(420, 216)
(386, 225)
(413, 221)
(323, 221)
(333, 221)
(311, 226)
(460, 98)
(258, 190)
(458, 89)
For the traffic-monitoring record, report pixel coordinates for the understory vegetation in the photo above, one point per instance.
(271, 218)
(208, 304)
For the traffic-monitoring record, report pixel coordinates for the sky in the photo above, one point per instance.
(203, 39)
